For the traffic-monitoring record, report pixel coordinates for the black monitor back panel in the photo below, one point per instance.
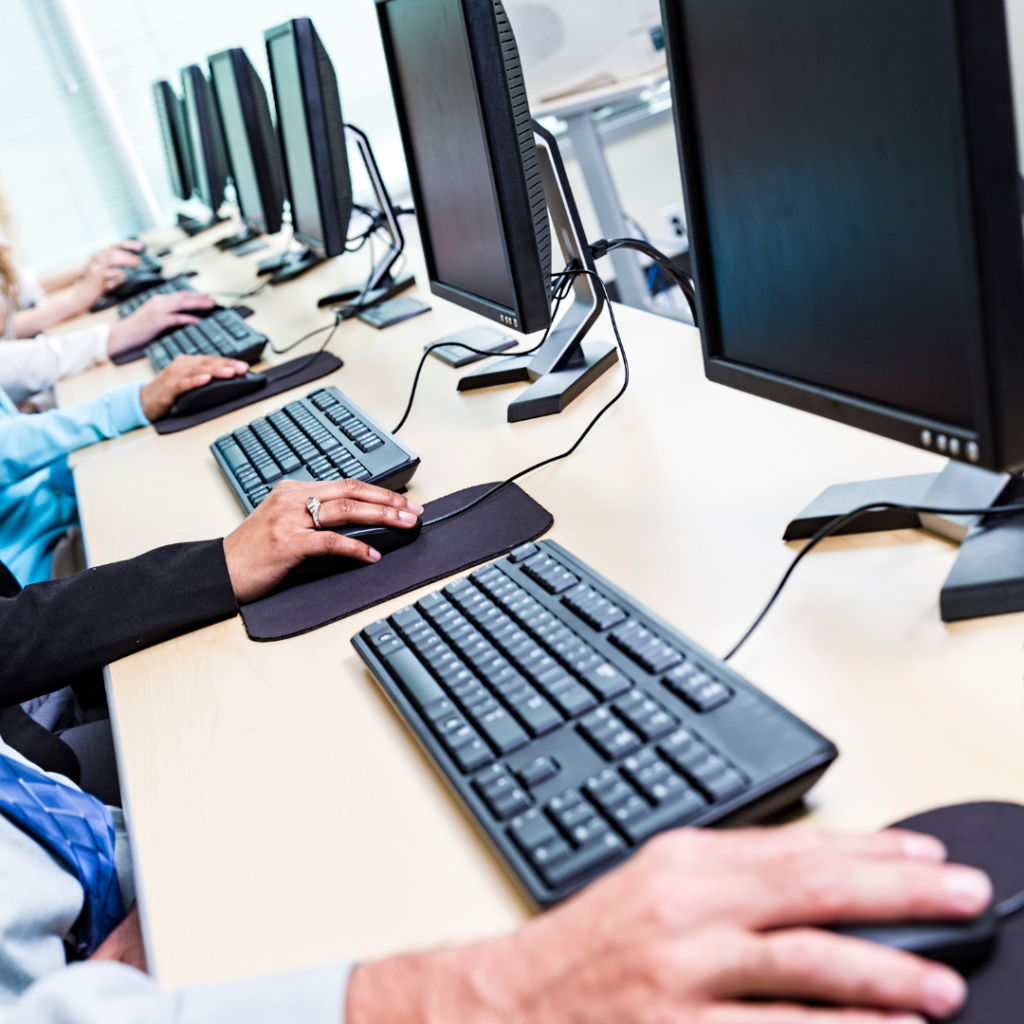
(168, 110)
(209, 155)
(469, 148)
(254, 151)
(312, 133)
(852, 195)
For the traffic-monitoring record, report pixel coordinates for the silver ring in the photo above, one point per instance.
(313, 507)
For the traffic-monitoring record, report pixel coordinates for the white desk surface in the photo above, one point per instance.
(282, 814)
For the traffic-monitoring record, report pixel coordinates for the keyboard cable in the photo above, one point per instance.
(562, 279)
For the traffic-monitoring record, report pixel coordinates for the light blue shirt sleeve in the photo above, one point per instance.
(111, 993)
(28, 443)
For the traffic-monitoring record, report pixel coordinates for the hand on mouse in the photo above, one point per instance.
(184, 374)
(280, 534)
(154, 317)
(694, 927)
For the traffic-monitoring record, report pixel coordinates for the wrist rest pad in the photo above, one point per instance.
(279, 379)
(989, 836)
(496, 526)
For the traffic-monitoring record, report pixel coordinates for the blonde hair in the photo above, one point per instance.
(8, 269)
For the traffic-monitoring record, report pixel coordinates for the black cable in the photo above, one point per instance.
(1010, 906)
(313, 355)
(839, 522)
(312, 334)
(590, 426)
(607, 245)
(559, 296)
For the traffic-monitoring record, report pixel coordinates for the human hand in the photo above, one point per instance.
(695, 926)
(105, 271)
(184, 374)
(124, 944)
(154, 317)
(279, 535)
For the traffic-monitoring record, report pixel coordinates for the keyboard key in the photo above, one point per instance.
(607, 681)
(668, 815)
(522, 552)
(646, 715)
(539, 770)
(697, 688)
(609, 734)
(569, 868)
(505, 734)
(552, 576)
(532, 830)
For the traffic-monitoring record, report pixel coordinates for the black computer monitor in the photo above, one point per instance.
(253, 150)
(172, 135)
(206, 138)
(850, 173)
(479, 187)
(312, 136)
(483, 222)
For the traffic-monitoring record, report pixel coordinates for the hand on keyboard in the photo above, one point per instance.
(154, 317)
(695, 926)
(104, 272)
(184, 374)
(280, 534)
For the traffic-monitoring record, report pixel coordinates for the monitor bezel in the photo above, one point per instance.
(238, 60)
(990, 143)
(168, 114)
(213, 157)
(532, 308)
(301, 30)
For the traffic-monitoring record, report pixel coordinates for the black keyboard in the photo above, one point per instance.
(324, 436)
(574, 724)
(175, 284)
(223, 333)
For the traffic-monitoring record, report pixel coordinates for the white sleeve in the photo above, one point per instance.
(111, 993)
(30, 291)
(28, 367)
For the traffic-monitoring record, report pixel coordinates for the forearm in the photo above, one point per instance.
(109, 993)
(52, 310)
(30, 442)
(53, 632)
(62, 278)
(28, 367)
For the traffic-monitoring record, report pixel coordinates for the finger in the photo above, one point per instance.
(132, 244)
(785, 1013)
(190, 383)
(179, 320)
(356, 491)
(347, 510)
(315, 543)
(807, 963)
(190, 300)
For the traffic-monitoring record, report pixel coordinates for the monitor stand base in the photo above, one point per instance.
(193, 227)
(247, 234)
(293, 265)
(551, 392)
(389, 287)
(988, 575)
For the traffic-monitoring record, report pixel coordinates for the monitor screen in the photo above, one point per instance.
(291, 122)
(442, 112)
(166, 109)
(243, 169)
(834, 202)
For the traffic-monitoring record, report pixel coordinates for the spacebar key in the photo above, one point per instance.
(417, 682)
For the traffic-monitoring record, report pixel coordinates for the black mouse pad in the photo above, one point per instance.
(496, 526)
(133, 355)
(279, 378)
(989, 836)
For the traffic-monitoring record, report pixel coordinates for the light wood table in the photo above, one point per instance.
(281, 813)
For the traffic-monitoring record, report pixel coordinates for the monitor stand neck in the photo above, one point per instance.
(291, 265)
(247, 234)
(193, 227)
(565, 365)
(988, 575)
(381, 285)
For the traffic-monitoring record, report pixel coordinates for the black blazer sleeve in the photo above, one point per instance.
(52, 633)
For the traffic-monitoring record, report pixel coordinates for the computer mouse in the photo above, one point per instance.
(962, 945)
(126, 290)
(384, 539)
(217, 392)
